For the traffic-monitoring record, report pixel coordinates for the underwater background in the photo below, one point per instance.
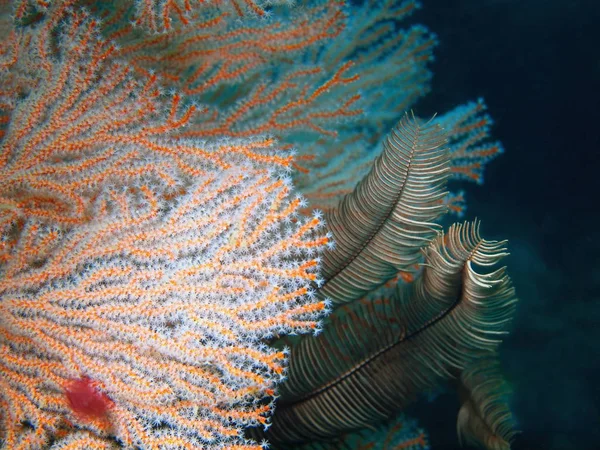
(537, 64)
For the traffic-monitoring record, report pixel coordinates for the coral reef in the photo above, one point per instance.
(154, 253)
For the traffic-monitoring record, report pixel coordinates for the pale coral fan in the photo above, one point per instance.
(159, 16)
(85, 122)
(390, 60)
(163, 15)
(164, 305)
(470, 147)
(249, 76)
(137, 270)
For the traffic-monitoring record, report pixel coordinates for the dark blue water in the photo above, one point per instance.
(537, 64)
